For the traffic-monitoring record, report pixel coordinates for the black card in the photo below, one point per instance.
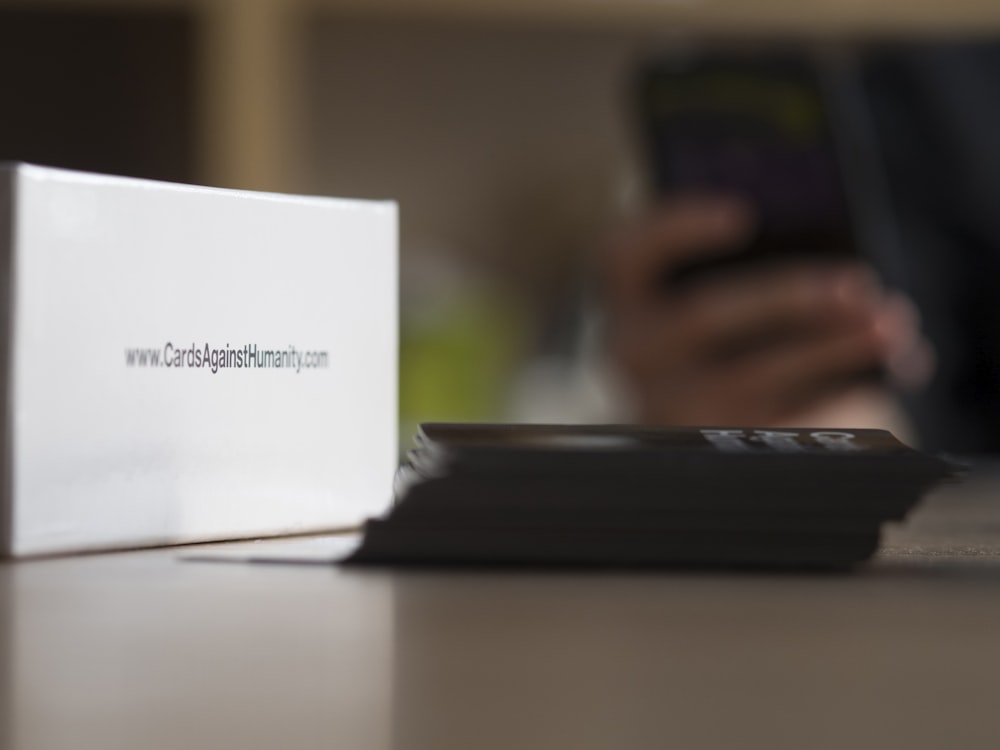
(609, 494)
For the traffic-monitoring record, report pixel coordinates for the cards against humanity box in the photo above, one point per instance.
(184, 363)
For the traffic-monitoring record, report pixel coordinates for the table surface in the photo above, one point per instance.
(143, 650)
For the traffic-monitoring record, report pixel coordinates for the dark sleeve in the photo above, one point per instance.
(936, 113)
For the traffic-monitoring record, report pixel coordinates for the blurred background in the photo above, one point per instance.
(502, 127)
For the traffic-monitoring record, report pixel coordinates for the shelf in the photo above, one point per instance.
(250, 99)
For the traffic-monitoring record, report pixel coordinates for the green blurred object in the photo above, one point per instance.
(458, 357)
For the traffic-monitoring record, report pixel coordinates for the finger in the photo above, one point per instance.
(680, 229)
(813, 296)
(784, 381)
(729, 315)
(910, 360)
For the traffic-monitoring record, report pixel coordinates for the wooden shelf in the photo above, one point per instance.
(250, 100)
(742, 16)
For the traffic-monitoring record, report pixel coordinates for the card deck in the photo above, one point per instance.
(626, 495)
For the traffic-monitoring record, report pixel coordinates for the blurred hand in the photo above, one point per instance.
(776, 345)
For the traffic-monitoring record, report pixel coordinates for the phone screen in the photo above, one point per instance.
(757, 128)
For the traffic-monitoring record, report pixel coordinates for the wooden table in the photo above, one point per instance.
(141, 650)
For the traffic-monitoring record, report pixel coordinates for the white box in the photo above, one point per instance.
(122, 292)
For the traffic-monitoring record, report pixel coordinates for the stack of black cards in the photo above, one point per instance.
(615, 495)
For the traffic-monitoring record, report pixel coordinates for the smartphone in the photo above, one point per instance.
(758, 127)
